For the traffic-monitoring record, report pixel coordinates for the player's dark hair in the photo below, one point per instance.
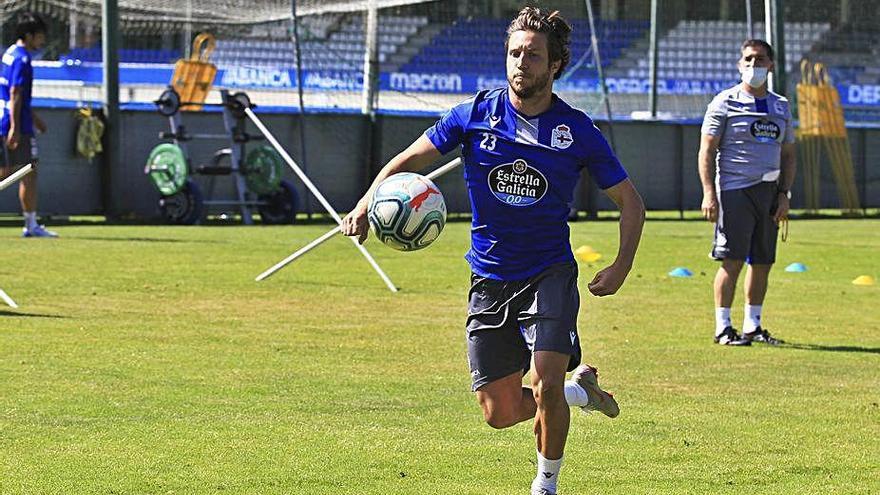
(552, 25)
(761, 43)
(29, 23)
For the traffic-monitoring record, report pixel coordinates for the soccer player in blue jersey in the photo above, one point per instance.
(523, 150)
(748, 142)
(18, 122)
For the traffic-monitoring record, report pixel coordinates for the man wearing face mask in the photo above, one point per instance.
(748, 141)
(19, 146)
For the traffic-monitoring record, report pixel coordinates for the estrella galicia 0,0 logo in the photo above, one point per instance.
(517, 183)
(764, 131)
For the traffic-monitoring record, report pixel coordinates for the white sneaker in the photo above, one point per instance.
(598, 400)
(38, 231)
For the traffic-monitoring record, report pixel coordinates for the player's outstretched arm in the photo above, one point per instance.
(632, 218)
(417, 156)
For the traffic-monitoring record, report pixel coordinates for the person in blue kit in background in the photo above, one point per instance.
(19, 145)
(523, 150)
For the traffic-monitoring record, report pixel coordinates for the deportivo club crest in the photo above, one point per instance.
(764, 130)
(561, 137)
(779, 107)
(517, 184)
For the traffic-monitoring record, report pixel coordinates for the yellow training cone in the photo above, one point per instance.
(864, 280)
(586, 254)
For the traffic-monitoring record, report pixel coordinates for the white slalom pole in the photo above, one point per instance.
(8, 300)
(15, 176)
(308, 247)
(443, 169)
(275, 144)
(18, 174)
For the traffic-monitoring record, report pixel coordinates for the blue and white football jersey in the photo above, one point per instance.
(521, 173)
(752, 132)
(16, 70)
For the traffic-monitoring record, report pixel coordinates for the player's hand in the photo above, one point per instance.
(12, 139)
(355, 223)
(782, 209)
(710, 207)
(608, 280)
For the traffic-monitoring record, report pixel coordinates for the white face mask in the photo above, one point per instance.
(754, 76)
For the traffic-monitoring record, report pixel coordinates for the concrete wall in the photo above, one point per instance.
(661, 159)
(68, 183)
(334, 152)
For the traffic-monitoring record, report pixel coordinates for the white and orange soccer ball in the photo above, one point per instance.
(407, 211)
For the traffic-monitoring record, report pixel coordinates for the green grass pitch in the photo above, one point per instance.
(146, 360)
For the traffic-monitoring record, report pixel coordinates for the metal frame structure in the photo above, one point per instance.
(233, 123)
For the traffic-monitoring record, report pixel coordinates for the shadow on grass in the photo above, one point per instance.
(831, 348)
(5, 312)
(146, 239)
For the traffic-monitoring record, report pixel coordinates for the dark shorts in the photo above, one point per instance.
(509, 320)
(745, 229)
(24, 153)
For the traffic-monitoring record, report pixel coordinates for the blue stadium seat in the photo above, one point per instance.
(476, 41)
(126, 55)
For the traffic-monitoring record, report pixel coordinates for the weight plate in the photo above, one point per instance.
(168, 103)
(183, 207)
(237, 103)
(166, 167)
(279, 208)
(262, 170)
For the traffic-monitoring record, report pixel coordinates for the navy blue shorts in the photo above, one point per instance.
(745, 229)
(24, 153)
(509, 320)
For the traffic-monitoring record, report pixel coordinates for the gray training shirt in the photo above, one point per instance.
(752, 132)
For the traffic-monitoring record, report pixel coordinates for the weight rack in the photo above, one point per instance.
(260, 171)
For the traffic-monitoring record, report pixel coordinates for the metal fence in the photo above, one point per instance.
(423, 57)
(429, 55)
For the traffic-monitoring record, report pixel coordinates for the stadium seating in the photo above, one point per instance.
(851, 54)
(310, 26)
(696, 50)
(140, 56)
(328, 43)
(708, 50)
(475, 45)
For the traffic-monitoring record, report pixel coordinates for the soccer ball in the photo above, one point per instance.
(407, 211)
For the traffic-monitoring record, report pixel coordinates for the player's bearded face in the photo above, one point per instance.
(528, 64)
